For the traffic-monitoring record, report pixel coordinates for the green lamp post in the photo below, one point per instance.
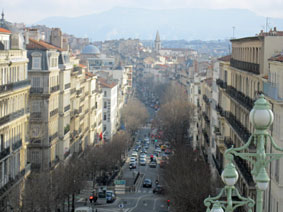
(261, 117)
(229, 176)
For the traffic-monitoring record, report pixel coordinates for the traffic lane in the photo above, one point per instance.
(144, 204)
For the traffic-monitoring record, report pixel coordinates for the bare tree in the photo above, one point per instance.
(134, 115)
(188, 180)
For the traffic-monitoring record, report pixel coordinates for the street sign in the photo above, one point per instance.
(120, 182)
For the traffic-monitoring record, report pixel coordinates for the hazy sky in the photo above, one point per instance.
(30, 11)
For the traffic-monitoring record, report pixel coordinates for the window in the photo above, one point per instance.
(36, 62)
(35, 82)
(104, 128)
(105, 93)
(105, 104)
(104, 116)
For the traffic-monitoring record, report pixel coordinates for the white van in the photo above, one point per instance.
(83, 209)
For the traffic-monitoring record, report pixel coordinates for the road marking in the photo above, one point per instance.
(137, 202)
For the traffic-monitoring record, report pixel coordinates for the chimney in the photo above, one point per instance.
(274, 29)
(56, 38)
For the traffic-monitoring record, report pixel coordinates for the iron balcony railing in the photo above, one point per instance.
(12, 116)
(52, 137)
(36, 90)
(17, 145)
(5, 152)
(53, 112)
(67, 108)
(206, 118)
(245, 66)
(67, 85)
(206, 99)
(206, 138)
(241, 98)
(242, 132)
(54, 88)
(221, 83)
(245, 170)
(14, 85)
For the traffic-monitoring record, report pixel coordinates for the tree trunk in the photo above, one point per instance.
(73, 202)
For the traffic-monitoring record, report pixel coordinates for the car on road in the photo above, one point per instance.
(147, 183)
(158, 149)
(144, 150)
(133, 159)
(110, 196)
(142, 155)
(146, 146)
(142, 161)
(152, 164)
(134, 154)
(158, 190)
(133, 165)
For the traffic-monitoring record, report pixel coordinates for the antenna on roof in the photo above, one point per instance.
(266, 24)
(2, 14)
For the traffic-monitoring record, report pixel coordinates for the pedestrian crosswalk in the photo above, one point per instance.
(145, 191)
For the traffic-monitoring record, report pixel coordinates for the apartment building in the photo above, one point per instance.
(240, 81)
(272, 85)
(110, 107)
(14, 116)
(43, 71)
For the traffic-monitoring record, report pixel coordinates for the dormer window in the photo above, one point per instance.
(36, 60)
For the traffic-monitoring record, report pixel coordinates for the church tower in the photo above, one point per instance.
(157, 42)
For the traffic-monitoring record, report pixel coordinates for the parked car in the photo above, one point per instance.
(110, 196)
(147, 183)
(158, 190)
(152, 164)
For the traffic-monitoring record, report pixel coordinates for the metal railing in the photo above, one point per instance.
(14, 85)
(241, 98)
(36, 90)
(206, 99)
(245, 66)
(221, 83)
(67, 85)
(67, 108)
(245, 170)
(5, 152)
(54, 88)
(53, 112)
(17, 145)
(12, 116)
(52, 137)
(205, 117)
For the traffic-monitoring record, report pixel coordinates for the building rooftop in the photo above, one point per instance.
(225, 58)
(278, 58)
(5, 31)
(106, 83)
(34, 44)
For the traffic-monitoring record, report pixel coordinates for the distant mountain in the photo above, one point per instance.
(174, 24)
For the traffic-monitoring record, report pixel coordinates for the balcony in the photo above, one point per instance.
(242, 132)
(206, 138)
(5, 152)
(241, 98)
(272, 90)
(82, 98)
(8, 182)
(206, 99)
(54, 88)
(66, 154)
(17, 145)
(53, 112)
(221, 83)
(228, 142)
(36, 90)
(12, 116)
(86, 111)
(219, 110)
(217, 165)
(205, 117)
(73, 90)
(52, 137)
(35, 115)
(67, 86)
(14, 85)
(67, 108)
(245, 170)
(245, 66)
(66, 129)
(79, 92)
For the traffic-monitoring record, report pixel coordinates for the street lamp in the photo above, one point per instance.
(261, 117)
(229, 177)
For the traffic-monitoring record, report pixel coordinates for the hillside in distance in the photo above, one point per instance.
(174, 24)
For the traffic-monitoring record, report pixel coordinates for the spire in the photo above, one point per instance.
(157, 38)
(2, 14)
